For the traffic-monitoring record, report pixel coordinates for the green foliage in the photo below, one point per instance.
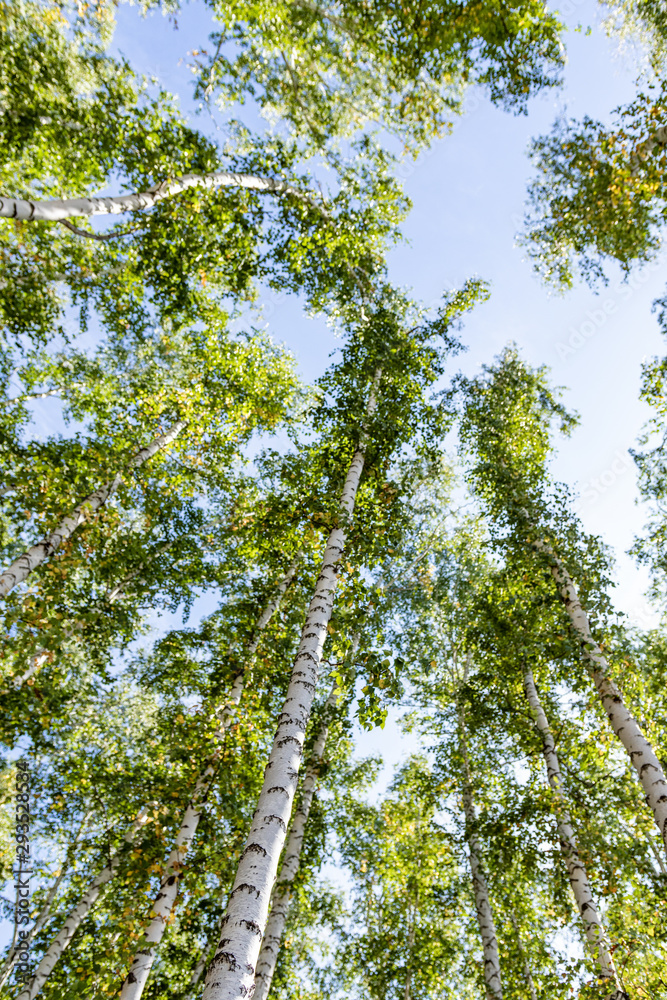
(328, 72)
(599, 193)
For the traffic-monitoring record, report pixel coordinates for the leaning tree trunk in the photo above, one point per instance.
(487, 927)
(77, 915)
(282, 896)
(642, 755)
(21, 568)
(163, 905)
(56, 210)
(45, 912)
(231, 975)
(581, 888)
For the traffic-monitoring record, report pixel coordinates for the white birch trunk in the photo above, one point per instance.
(42, 918)
(581, 888)
(45, 912)
(282, 896)
(163, 905)
(76, 916)
(56, 210)
(231, 975)
(21, 568)
(642, 755)
(487, 927)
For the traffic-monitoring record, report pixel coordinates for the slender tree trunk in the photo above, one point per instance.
(45, 912)
(282, 895)
(21, 568)
(163, 905)
(77, 915)
(524, 957)
(581, 888)
(408, 971)
(658, 856)
(642, 755)
(231, 975)
(487, 927)
(30, 395)
(56, 210)
(200, 967)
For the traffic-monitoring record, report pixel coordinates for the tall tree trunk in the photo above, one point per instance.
(282, 895)
(642, 755)
(524, 957)
(487, 927)
(163, 905)
(57, 210)
(45, 912)
(21, 568)
(408, 971)
(77, 915)
(581, 888)
(231, 975)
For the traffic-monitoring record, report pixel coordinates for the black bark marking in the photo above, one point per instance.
(226, 956)
(288, 739)
(252, 925)
(254, 849)
(280, 823)
(245, 887)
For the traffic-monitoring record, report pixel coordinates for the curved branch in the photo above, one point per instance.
(59, 210)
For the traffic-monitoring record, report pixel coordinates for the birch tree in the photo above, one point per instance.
(598, 197)
(581, 889)
(386, 357)
(135, 981)
(510, 477)
(281, 898)
(487, 929)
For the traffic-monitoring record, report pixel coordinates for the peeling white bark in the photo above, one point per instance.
(581, 888)
(231, 975)
(77, 915)
(642, 755)
(56, 210)
(163, 905)
(21, 568)
(487, 927)
(282, 895)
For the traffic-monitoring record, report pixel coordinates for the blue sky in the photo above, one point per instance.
(468, 194)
